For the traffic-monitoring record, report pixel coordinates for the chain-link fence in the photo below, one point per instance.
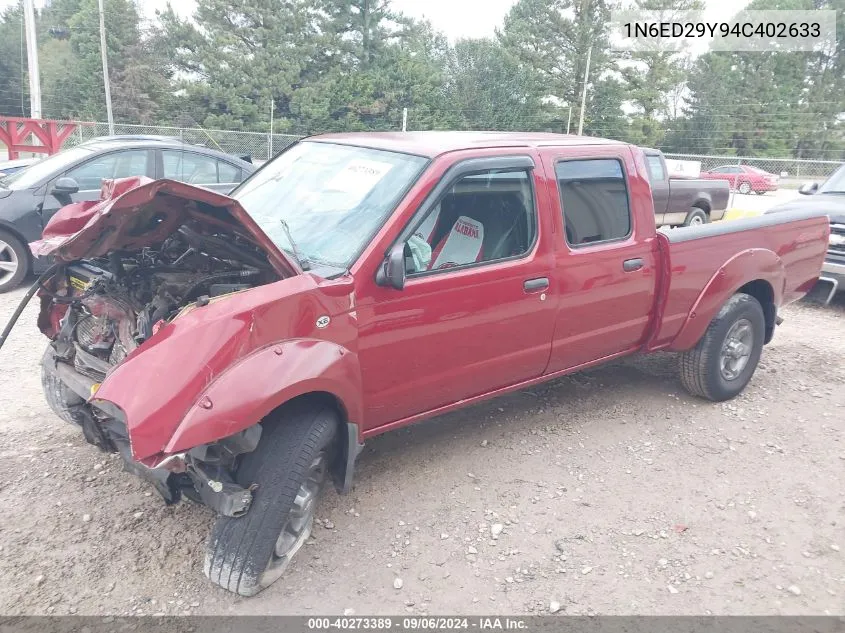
(792, 171)
(260, 146)
(257, 145)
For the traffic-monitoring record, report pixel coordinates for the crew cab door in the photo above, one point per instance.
(475, 312)
(606, 254)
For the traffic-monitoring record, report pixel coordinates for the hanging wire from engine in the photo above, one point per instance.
(47, 274)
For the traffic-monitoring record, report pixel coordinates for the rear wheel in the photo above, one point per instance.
(744, 187)
(291, 469)
(14, 261)
(696, 217)
(722, 363)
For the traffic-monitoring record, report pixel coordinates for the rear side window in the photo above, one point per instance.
(195, 169)
(594, 198)
(655, 169)
(227, 172)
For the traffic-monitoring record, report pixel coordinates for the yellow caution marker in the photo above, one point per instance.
(735, 214)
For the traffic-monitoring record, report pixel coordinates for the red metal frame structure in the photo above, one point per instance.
(14, 131)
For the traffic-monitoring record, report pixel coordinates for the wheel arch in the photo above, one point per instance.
(762, 290)
(320, 371)
(10, 228)
(348, 433)
(704, 204)
(757, 272)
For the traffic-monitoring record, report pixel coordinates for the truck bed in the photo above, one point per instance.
(789, 246)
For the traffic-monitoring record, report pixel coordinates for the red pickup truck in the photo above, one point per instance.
(239, 350)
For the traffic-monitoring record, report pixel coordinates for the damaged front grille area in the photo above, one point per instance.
(202, 474)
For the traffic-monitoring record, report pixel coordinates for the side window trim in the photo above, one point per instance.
(624, 238)
(469, 167)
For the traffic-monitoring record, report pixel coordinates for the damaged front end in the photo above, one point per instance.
(202, 474)
(127, 267)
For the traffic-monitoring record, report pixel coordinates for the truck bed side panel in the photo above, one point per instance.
(697, 254)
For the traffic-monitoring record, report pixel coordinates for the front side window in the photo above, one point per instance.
(89, 176)
(482, 217)
(331, 198)
(594, 198)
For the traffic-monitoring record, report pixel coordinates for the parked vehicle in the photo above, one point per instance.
(744, 178)
(828, 198)
(683, 201)
(29, 198)
(8, 167)
(239, 351)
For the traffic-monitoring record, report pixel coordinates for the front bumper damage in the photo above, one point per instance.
(203, 474)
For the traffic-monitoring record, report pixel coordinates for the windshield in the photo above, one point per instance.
(52, 165)
(836, 183)
(330, 198)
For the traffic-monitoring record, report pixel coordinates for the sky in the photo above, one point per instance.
(455, 18)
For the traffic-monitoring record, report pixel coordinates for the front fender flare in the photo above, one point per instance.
(256, 385)
(745, 266)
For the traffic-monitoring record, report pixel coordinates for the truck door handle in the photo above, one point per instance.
(630, 265)
(536, 285)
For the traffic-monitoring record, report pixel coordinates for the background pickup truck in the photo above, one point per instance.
(684, 201)
(239, 350)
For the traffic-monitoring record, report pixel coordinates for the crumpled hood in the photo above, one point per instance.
(136, 212)
(832, 205)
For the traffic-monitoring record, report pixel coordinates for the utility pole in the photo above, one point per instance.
(569, 120)
(583, 91)
(32, 61)
(270, 138)
(404, 119)
(106, 83)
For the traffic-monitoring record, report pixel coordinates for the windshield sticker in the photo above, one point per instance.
(357, 179)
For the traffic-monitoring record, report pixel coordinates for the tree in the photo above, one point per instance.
(554, 38)
(486, 89)
(14, 91)
(650, 76)
(236, 57)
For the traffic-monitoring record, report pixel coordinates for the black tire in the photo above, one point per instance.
(12, 250)
(696, 216)
(744, 188)
(701, 366)
(240, 550)
(64, 402)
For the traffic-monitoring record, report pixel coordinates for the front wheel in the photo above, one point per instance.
(14, 261)
(744, 188)
(290, 469)
(722, 363)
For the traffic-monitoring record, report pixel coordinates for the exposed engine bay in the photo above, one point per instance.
(116, 303)
(105, 307)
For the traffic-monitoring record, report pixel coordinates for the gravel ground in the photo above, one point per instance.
(608, 492)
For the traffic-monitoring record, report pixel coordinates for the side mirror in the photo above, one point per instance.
(392, 270)
(808, 188)
(65, 186)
